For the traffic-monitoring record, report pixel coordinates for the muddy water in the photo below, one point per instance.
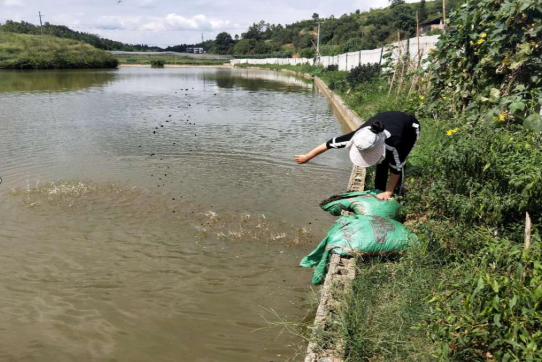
(157, 215)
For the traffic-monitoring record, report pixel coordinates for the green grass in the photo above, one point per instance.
(301, 68)
(21, 51)
(142, 59)
(384, 317)
(471, 292)
(381, 317)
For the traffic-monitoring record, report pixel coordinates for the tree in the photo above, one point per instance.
(244, 46)
(404, 18)
(422, 10)
(236, 37)
(255, 31)
(223, 42)
(315, 17)
(396, 2)
(303, 41)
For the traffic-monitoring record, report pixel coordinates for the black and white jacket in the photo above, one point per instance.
(402, 131)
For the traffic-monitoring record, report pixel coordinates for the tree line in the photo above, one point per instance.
(349, 32)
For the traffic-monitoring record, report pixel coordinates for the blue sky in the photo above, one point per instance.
(167, 22)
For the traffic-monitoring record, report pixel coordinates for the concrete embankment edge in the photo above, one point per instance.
(225, 66)
(341, 270)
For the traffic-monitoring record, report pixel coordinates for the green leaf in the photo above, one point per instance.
(494, 95)
(497, 320)
(513, 301)
(537, 294)
(495, 286)
(515, 106)
(533, 122)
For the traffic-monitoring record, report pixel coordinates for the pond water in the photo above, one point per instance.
(158, 214)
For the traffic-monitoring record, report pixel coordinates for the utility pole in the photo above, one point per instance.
(418, 34)
(318, 44)
(41, 24)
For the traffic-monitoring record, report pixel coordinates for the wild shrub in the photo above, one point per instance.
(363, 73)
(489, 63)
(490, 311)
(332, 68)
(478, 175)
(308, 53)
(157, 63)
(485, 174)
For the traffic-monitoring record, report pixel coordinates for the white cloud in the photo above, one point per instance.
(13, 3)
(118, 22)
(179, 22)
(171, 22)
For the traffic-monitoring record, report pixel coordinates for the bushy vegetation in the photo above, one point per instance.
(363, 73)
(157, 63)
(349, 32)
(473, 291)
(20, 51)
(142, 59)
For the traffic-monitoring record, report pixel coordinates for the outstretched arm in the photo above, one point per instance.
(305, 158)
(337, 142)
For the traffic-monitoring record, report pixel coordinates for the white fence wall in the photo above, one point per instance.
(347, 61)
(281, 61)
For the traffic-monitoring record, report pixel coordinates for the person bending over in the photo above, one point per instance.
(385, 140)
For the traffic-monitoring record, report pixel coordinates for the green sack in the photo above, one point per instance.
(361, 203)
(359, 234)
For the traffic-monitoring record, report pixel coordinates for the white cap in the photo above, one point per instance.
(367, 148)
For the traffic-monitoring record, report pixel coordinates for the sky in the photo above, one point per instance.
(170, 22)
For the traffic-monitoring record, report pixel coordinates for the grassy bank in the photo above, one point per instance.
(142, 59)
(21, 51)
(473, 290)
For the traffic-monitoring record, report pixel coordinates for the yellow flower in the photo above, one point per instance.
(502, 117)
(451, 131)
(480, 41)
(471, 42)
(422, 98)
(483, 35)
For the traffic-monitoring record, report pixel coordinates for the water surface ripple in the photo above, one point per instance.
(157, 215)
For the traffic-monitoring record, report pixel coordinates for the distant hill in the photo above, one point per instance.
(62, 31)
(349, 32)
(24, 51)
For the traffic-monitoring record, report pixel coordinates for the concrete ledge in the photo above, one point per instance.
(349, 116)
(341, 270)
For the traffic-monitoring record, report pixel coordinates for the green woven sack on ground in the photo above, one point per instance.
(359, 234)
(361, 203)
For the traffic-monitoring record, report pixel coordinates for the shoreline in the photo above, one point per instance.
(223, 66)
(345, 114)
(341, 270)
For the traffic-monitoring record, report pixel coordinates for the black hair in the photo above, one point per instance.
(377, 127)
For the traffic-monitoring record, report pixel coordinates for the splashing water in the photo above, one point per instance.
(246, 227)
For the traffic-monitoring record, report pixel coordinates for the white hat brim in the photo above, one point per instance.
(367, 158)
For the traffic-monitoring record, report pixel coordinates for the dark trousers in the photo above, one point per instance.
(381, 176)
